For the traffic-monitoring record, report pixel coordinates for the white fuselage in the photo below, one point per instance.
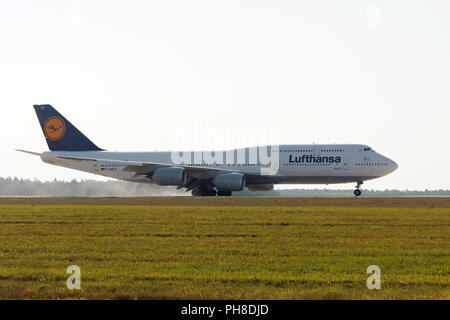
(297, 164)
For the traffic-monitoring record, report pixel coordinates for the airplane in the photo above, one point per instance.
(212, 173)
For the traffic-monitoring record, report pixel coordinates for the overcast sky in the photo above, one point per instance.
(146, 75)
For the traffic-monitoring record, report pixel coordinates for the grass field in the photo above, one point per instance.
(248, 248)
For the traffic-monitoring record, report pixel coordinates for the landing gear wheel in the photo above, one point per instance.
(211, 193)
(204, 192)
(357, 192)
(224, 193)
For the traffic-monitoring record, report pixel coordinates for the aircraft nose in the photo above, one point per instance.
(393, 165)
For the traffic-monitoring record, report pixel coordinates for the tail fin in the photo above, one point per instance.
(60, 134)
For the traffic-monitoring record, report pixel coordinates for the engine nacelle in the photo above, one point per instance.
(260, 187)
(172, 176)
(229, 182)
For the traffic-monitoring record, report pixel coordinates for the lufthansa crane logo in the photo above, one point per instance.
(55, 128)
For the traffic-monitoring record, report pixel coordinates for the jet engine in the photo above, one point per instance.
(260, 187)
(172, 176)
(229, 182)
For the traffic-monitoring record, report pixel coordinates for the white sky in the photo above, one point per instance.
(133, 75)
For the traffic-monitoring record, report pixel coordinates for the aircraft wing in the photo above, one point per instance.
(147, 168)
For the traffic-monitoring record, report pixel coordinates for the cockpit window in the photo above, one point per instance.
(367, 149)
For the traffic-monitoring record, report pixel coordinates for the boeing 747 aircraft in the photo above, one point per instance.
(216, 172)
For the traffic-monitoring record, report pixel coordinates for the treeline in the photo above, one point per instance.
(84, 188)
(91, 188)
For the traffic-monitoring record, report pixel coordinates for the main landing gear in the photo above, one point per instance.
(203, 192)
(357, 191)
(208, 191)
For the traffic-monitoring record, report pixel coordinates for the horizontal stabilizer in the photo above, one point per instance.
(30, 152)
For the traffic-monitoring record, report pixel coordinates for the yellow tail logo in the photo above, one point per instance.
(55, 128)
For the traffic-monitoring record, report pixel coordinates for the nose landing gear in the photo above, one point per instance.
(357, 191)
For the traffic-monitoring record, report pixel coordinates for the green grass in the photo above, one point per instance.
(223, 252)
